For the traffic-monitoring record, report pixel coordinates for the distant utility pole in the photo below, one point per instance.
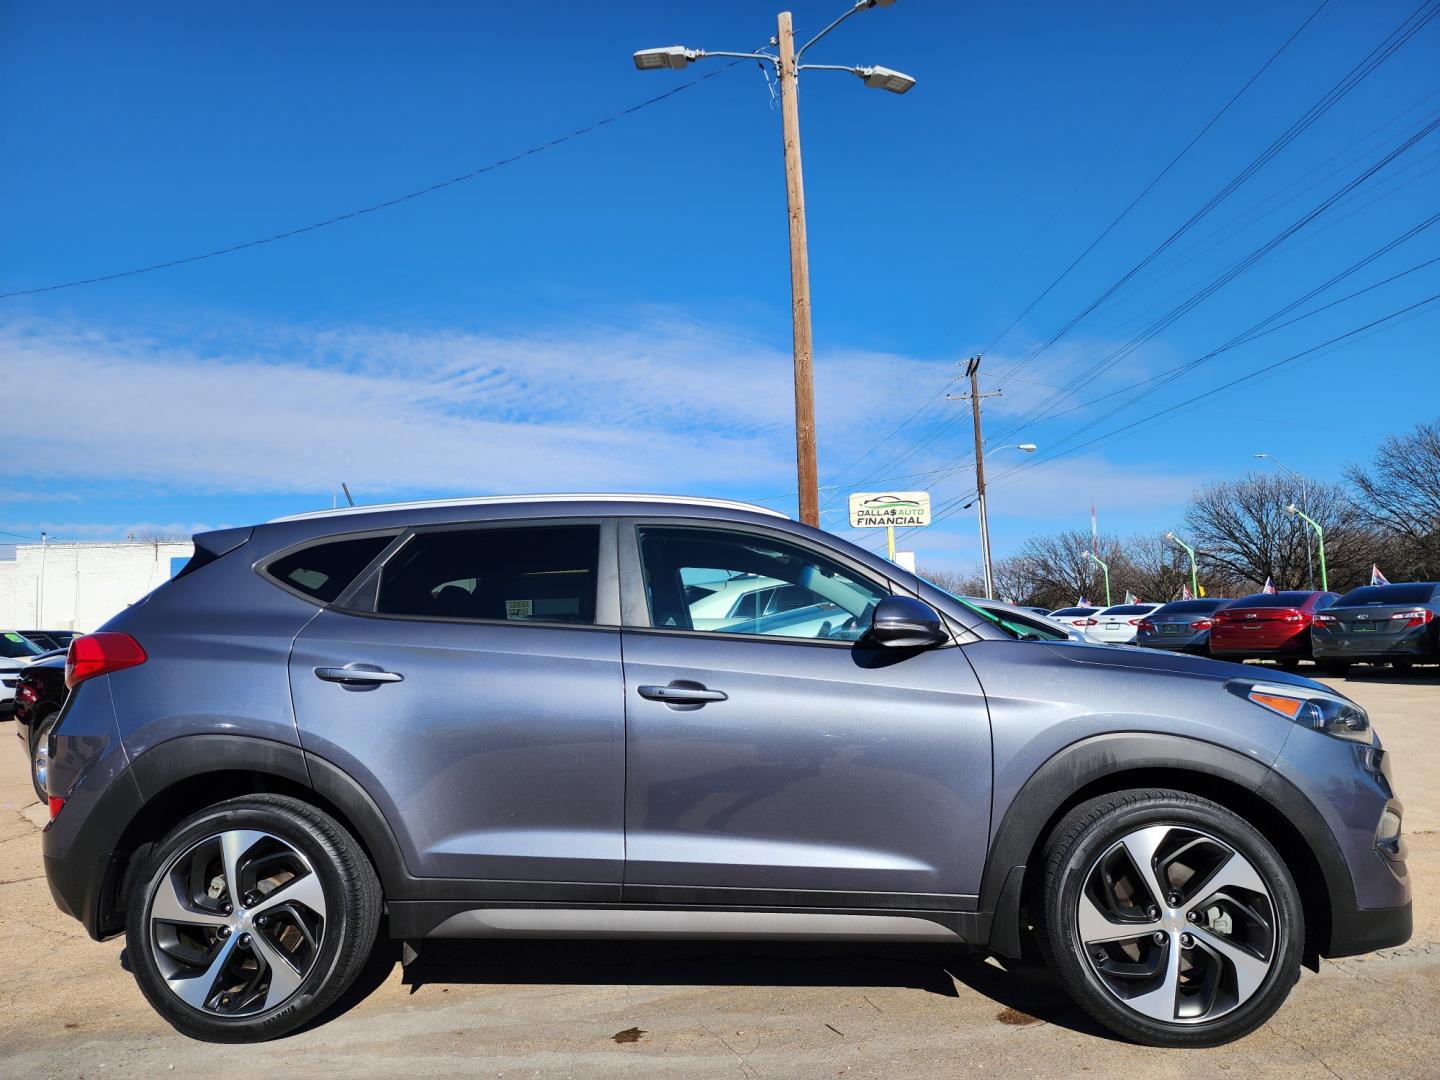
(972, 372)
(787, 67)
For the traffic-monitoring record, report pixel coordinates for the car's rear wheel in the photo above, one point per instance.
(39, 743)
(251, 918)
(1169, 919)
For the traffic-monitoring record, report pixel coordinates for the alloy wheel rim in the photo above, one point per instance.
(236, 923)
(1176, 924)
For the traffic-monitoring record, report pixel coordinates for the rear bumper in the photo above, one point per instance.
(1195, 643)
(1232, 647)
(1367, 646)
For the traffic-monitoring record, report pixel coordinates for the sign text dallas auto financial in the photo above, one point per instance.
(889, 509)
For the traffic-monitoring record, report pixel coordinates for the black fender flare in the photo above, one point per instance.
(188, 757)
(1089, 761)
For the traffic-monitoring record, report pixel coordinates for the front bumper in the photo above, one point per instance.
(1354, 931)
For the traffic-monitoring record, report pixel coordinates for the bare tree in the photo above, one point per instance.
(1244, 530)
(1399, 496)
(1151, 568)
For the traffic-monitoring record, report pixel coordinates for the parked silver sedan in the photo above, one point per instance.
(1180, 626)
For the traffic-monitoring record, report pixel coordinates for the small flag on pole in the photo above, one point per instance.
(1377, 578)
(1269, 586)
(1185, 593)
(1131, 598)
(1082, 602)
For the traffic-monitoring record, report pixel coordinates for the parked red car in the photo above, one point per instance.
(1268, 626)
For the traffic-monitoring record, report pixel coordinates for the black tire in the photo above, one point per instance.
(351, 914)
(37, 737)
(1079, 849)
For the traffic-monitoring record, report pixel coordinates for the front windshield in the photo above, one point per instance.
(1014, 629)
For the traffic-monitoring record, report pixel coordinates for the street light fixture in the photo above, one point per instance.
(672, 56)
(1304, 505)
(1194, 577)
(1320, 538)
(786, 63)
(1103, 566)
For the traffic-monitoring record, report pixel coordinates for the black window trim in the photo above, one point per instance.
(360, 599)
(262, 565)
(635, 610)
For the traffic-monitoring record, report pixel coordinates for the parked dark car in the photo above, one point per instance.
(15, 652)
(1267, 626)
(1395, 623)
(39, 697)
(498, 718)
(1180, 626)
(49, 640)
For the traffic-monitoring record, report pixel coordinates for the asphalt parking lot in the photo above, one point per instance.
(68, 1007)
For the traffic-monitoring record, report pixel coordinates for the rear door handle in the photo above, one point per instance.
(366, 674)
(682, 693)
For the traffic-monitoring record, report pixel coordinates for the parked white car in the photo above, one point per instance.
(1118, 625)
(1080, 618)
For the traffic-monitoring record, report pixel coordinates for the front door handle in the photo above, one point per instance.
(682, 693)
(358, 674)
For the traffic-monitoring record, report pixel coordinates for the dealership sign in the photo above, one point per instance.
(889, 509)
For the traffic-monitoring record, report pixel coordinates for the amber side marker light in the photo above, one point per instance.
(1285, 706)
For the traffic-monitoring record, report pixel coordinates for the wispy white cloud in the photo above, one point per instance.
(666, 405)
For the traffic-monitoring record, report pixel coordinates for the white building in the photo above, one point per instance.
(70, 585)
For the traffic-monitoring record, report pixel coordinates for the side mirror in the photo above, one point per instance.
(902, 622)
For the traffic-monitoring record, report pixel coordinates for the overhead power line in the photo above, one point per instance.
(1158, 176)
(1392, 43)
(350, 215)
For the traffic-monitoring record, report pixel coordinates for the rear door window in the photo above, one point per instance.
(534, 574)
(323, 571)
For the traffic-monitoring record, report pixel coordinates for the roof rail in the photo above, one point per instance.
(510, 500)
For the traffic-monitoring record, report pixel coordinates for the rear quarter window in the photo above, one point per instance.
(323, 571)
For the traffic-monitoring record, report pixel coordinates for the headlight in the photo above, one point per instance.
(1330, 713)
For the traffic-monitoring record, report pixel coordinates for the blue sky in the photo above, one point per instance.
(614, 311)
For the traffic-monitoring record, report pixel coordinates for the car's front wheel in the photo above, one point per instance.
(1169, 919)
(250, 918)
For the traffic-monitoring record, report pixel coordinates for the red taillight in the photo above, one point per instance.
(55, 804)
(1295, 616)
(1136, 622)
(100, 654)
(1203, 624)
(1415, 617)
(1144, 624)
(1326, 618)
(26, 693)
(1086, 622)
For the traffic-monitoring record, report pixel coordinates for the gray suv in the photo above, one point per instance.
(498, 718)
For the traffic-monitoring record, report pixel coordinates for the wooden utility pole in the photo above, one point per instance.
(972, 372)
(805, 467)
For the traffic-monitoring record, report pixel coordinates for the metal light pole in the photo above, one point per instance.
(1320, 538)
(786, 62)
(1194, 577)
(1096, 558)
(1304, 505)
